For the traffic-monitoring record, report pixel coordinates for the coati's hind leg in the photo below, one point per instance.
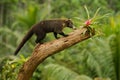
(37, 40)
(40, 37)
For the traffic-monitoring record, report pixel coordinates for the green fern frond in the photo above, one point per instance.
(57, 72)
(88, 14)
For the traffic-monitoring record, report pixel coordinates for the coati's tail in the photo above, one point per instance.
(27, 36)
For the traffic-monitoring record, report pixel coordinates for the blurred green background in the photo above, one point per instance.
(97, 58)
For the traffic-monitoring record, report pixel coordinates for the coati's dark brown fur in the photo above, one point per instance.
(40, 29)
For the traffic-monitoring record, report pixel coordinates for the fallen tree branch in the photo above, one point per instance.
(42, 51)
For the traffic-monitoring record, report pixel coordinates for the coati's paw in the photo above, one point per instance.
(57, 37)
(66, 35)
(38, 42)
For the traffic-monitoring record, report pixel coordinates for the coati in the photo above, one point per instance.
(40, 29)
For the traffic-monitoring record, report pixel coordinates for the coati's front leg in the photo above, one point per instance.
(63, 34)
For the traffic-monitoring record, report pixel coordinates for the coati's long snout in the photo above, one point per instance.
(70, 24)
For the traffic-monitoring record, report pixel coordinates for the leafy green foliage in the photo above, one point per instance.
(9, 67)
(114, 42)
(92, 58)
(28, 17)
(57, 72)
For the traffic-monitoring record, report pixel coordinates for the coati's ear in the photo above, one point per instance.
(68, 20)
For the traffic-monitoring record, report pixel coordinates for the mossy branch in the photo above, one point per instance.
(42, 51)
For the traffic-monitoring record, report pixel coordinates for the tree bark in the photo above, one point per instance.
(42, 51)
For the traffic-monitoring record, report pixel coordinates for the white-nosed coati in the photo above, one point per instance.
(40, 29)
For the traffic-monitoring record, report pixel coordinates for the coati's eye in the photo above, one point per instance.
(69, 23)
